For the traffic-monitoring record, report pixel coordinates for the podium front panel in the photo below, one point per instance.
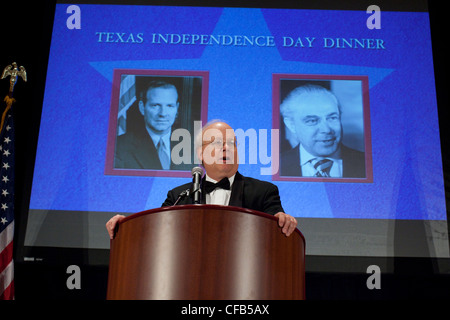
(205, 252)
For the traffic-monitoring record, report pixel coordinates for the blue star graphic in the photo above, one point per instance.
(240, 77)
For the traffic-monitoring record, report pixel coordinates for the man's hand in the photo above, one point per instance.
(112, 223)
(286, 222)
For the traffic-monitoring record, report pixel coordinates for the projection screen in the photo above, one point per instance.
(241, 64)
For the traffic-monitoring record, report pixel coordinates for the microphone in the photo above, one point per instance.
(183, 194)
(197, 173)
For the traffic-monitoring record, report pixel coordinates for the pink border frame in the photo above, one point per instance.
(366, 118)
(112, 127)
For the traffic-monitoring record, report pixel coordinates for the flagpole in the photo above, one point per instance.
(13, 72)
(7, 186)
(9, 101)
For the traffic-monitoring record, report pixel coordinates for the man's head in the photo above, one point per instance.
(312, 114)
(217, 150)
(159, 106)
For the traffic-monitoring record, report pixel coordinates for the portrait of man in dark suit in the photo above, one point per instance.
(312, 114)
(161, 105)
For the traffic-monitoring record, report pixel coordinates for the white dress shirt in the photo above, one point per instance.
(219, 196)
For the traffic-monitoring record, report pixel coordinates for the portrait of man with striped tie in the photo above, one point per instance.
(312, 114)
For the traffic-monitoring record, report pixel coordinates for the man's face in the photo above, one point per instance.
(160, 110)
(219, 152)
(317, 123)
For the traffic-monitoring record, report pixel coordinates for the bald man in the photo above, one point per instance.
(217, 152)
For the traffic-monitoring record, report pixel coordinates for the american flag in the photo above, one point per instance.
(6, 206)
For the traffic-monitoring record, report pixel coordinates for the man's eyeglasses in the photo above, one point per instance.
(218, 143)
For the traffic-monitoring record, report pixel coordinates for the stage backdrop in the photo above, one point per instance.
(239, 64)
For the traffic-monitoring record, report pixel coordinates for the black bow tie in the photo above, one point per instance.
(210, 186)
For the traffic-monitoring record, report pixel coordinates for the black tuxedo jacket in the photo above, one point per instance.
(353, 163)
(245, 193)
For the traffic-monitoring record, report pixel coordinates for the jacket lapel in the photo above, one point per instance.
(146, 157)
(203, 199)
(237, 191)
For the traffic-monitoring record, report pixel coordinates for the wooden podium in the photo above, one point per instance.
(205, 252)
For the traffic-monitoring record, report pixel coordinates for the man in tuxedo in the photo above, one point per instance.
(223, 184)
(147, 145)
(313, 115)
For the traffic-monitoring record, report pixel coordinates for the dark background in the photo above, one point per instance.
(25, 38)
